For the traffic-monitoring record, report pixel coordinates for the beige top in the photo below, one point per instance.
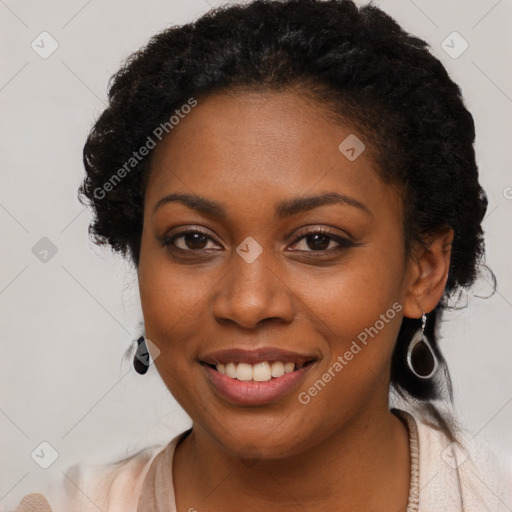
(444, 478)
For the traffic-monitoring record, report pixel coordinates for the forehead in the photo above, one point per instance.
(254, 143)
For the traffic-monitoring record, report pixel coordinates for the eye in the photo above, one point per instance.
(321, 241)
(317, 240)
(190, 240)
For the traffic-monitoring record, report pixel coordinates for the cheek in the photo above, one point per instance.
(170, 304)
(357, 309)
(168, 292)
(358, 321)
(356, 293)
(176, 304)
(164, 300)
(358, 316)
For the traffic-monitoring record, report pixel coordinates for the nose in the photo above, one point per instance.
(251, 293)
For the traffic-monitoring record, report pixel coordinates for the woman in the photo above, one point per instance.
(295, 182)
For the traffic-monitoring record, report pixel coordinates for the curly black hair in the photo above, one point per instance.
(359, 63)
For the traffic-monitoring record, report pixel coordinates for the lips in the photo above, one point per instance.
(255, 377)
(259, 355)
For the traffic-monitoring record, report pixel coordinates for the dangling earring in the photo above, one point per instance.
(141, 357)
(421, 358)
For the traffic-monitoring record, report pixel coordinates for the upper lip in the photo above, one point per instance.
(257, 355)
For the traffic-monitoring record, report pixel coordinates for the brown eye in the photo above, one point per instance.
(318, 242)
(321, 241)
(192, 240)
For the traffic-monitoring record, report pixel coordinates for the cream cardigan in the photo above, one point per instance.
(444, 478)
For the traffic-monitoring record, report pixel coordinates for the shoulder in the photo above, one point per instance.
(112, 487)
(115, 487)
(467, 475)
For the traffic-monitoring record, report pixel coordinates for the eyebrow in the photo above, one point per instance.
(283, 210)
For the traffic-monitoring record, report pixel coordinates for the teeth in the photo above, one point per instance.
(230, 370)
(289, 367)
(277, 369)
(244, 371)
(259, 372)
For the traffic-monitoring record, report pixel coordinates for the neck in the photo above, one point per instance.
(357, 467)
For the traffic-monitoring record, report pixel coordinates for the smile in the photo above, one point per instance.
(255, 377)
(259, 372)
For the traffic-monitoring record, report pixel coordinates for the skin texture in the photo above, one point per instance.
(343, 450)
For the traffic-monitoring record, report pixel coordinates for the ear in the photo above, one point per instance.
(428, 269)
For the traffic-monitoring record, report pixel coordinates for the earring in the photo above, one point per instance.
(141, 357)
(421, 358)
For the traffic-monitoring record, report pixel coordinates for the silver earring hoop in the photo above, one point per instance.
(421, 359)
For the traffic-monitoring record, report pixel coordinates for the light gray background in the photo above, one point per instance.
(67, 322)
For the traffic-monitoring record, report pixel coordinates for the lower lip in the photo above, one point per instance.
(255, 393)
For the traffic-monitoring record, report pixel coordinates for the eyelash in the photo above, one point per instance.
(343, 243)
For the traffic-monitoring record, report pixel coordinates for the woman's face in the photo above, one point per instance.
(264, 172)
